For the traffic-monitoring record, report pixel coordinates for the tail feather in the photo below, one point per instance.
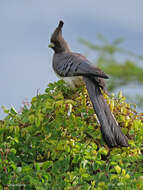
(110, 130)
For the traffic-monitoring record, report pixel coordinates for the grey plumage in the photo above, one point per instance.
(73, 64)
(70, 64)
(111, 131)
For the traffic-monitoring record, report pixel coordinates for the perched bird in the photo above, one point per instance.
(75, 68)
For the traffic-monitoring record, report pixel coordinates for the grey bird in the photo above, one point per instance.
(75, 68)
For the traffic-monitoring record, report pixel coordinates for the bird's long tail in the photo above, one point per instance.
(110, 130)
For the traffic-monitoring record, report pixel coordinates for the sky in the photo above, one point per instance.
(26, 27)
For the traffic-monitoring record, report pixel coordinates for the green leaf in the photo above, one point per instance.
(103, 151)
(4, 109)
(31, 118)
(19, 169)
(13, 111)
(13, 150)
(47, 164)
(37, 121)
(118, 169)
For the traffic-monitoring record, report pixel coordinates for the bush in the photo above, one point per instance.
(56, 144)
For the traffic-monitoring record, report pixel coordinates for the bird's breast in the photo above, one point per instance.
(74, 82)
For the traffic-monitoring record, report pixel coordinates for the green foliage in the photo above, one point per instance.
(121, 72)
(56, 144)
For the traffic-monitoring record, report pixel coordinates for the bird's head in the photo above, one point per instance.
(58, 44)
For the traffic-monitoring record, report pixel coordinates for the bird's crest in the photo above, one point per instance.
(57, 40)
(57, 34)
(61, 23)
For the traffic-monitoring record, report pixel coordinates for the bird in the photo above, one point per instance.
(77, 70)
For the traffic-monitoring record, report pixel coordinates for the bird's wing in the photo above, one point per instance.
(73, 64)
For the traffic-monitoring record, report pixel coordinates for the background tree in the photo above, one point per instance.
(122, 65)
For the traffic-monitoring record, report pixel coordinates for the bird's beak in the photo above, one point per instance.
(51, 45)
